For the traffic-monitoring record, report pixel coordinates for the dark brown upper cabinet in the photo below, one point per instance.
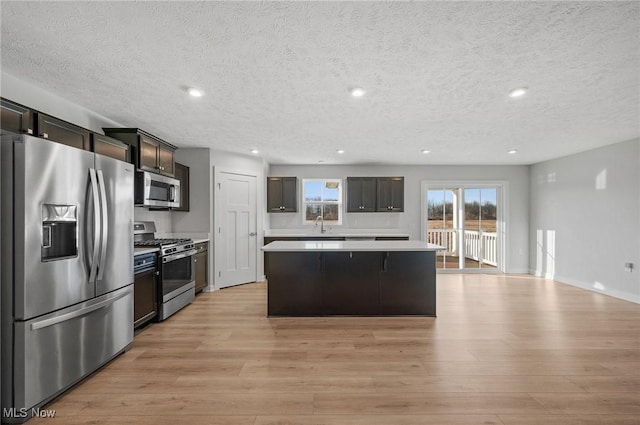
(390, 194)
(108, 146)
(361, 194)
(56, 130)
(16, 118)
(151, 153)
(282, 194)
(182, 174)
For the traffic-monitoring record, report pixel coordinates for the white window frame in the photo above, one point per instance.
(322, 202)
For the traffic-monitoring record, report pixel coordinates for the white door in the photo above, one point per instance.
(236, 229)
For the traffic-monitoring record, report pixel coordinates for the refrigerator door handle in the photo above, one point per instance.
(105, 225)
(81, 311)
(96, 225)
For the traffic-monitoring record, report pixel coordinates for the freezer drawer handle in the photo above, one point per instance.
(78, 313)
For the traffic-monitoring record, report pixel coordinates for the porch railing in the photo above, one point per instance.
(479, 245)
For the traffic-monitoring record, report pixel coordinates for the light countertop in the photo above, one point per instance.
(334, 232)
(356, 246)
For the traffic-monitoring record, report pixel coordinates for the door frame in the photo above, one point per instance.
(502, 225)
(217, 216)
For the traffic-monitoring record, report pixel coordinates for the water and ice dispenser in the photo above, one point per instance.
(59, 232)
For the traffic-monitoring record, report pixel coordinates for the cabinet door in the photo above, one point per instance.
(166, 161)
(354, 194)
(289, 194)
(408, 283)
(144, 298)
(110, 147)
(63, 132)
(294, 283)
(368, 194)
(15, 118)
(274, 194)
(148, 154)
(182, 174)
(351, 283)
(390, 194)
(201, 272)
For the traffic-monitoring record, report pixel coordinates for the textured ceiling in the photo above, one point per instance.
(277, 75)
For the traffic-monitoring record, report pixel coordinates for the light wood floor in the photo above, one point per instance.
(451, 262)
(506, 350)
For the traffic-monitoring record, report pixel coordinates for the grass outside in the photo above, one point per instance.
(485, 225)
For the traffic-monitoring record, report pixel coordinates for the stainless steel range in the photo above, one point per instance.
(176, 266)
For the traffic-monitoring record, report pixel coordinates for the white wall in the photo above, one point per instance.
(517, 204)
(585, 219)
(198, 218)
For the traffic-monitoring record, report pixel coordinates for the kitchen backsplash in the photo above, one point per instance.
(161, 218)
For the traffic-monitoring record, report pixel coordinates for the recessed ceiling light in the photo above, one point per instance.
(512, 151)
(520, 91)
(425, 151)
(195, 92)
(340, 151)
(357, 92)
(255, 151)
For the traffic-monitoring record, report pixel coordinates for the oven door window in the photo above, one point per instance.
(175, 275)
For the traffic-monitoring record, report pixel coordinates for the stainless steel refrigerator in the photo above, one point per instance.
(67, 268)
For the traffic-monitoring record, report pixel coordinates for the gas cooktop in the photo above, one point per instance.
(161, 242)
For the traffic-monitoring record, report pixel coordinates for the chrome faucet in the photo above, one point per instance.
(321, 223)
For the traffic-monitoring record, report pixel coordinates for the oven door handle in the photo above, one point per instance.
(178, 255)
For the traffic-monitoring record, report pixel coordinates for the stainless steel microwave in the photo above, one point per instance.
(156, 191)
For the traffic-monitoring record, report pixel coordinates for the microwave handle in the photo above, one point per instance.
(172, 193)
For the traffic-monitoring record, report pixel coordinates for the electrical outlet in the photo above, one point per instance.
(628, 267)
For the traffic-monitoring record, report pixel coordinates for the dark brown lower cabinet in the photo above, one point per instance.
(403, 288)
(351, 283)
(145, 299)
(297, 283)
(202, 266)
(361, 283)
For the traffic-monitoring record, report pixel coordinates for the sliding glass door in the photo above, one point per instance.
(464, 219)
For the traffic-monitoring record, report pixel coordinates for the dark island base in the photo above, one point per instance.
(351, 283)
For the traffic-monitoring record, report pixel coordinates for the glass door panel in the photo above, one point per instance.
(442, 226)
(464, 221)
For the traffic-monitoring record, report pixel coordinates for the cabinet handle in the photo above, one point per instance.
(195, 261)
(385, 258)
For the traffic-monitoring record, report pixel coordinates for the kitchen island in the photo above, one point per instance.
(364, 278)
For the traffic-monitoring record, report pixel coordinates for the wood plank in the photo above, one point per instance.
(589, 403)
(429, 403)
(379, 420)
(570, 420)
